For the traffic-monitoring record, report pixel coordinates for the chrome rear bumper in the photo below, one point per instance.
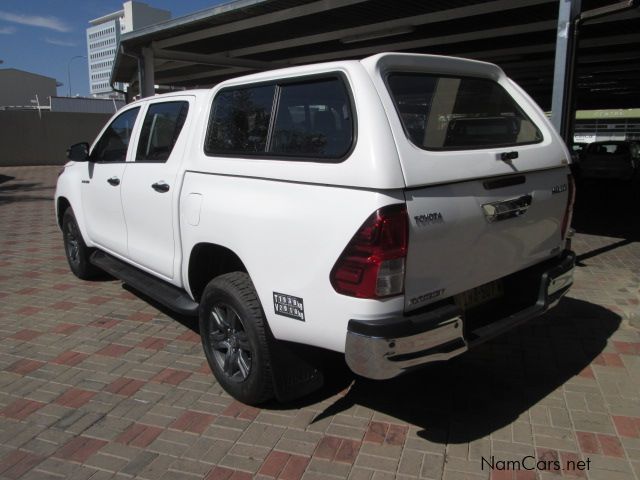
(385, 348)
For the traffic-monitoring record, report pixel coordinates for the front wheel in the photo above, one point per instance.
(75, 249)
(236, 338)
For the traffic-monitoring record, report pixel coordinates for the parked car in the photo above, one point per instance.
(616, 160)
(400, 209)
(577, 150)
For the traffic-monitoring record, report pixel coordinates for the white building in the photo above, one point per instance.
(102, 41)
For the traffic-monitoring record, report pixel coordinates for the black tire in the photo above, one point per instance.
(75, 249)
(236, 338)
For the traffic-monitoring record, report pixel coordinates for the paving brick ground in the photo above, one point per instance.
(96, 383)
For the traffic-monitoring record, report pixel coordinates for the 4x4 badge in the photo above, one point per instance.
(559, 188)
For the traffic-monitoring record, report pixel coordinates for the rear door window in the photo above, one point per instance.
(160, 130)
(459, 113)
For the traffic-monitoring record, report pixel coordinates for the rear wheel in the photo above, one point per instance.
(75, 249)
(236, 339)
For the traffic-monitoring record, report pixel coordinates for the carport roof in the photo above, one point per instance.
(242, 36)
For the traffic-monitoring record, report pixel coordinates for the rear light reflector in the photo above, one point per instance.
(390, 278)
(568, 212)
(373, 263)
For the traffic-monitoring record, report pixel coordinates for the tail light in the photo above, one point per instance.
(373, 262)
(568, 213)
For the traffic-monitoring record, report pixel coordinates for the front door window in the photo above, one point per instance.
(112, 146)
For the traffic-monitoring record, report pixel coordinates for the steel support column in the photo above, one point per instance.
(562, 101)
(147, 73)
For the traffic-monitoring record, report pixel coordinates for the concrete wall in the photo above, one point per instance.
(27, 139)
(86, 105)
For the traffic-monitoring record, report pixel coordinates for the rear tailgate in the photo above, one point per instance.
(458, 239)
(487, 182)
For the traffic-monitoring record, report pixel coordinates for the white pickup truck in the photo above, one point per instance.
(399, 209)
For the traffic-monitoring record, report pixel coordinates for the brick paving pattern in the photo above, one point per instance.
(96, 383)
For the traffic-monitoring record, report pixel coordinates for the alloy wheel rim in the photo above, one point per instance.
(230, 343)
(73, 246)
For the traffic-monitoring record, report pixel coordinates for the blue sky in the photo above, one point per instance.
(41, 36)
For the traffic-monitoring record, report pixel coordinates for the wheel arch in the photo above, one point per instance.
(210, 260)
(62, 204)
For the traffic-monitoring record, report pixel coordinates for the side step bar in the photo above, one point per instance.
(162, 292)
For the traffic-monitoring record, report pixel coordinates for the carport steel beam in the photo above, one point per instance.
(214, 60)
(569, 19)
(146, 64)
(563, 70)
(147, 84)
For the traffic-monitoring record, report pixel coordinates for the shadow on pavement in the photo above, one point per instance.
(475, 394)
(598, 251)
(22, 192)
(487, 388)
(7, 199)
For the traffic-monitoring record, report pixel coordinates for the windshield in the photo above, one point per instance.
(459, 113)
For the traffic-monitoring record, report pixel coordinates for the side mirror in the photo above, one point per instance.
(78, 152)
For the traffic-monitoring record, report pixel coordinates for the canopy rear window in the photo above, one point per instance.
(459, 113)
(310, 120)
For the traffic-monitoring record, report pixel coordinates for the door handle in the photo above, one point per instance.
(115, 181)
(160, 187)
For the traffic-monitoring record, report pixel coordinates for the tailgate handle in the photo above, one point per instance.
(508, 156)
(505, 209)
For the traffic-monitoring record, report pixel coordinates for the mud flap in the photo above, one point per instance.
(295, 370)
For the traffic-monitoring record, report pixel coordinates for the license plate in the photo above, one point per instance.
(479, 295)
